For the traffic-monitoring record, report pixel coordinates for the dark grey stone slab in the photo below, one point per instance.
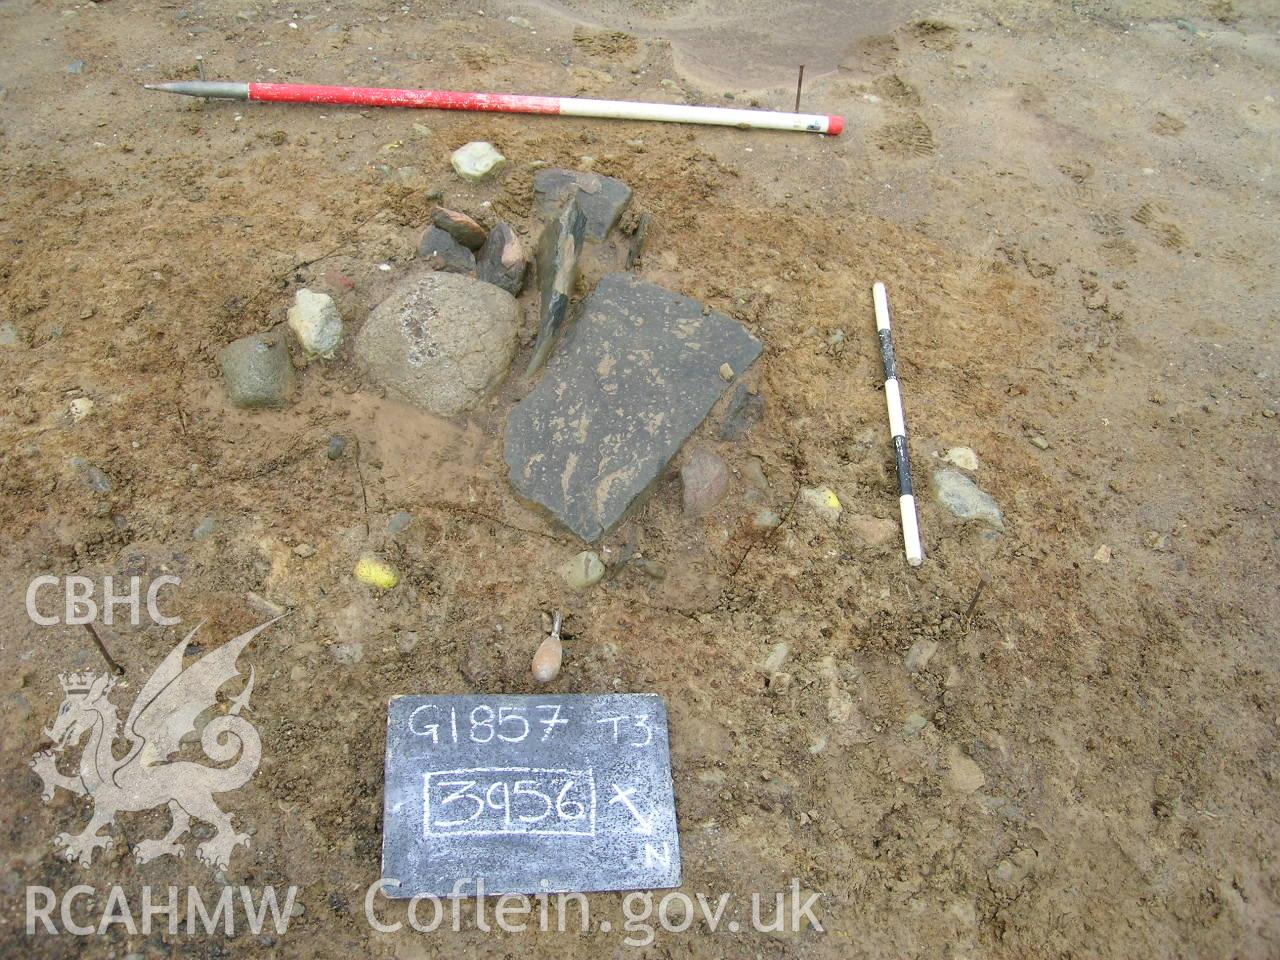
(603, 199)
(636, 373)
(559, 248)
(528, 794)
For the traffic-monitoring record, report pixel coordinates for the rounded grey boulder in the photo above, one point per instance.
(440, 341)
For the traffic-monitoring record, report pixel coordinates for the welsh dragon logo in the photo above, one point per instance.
(165, 710)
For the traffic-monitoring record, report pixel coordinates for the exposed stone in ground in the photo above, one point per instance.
(440, 341)
(633, 378)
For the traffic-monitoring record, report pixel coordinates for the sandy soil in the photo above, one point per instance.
(1074, 211)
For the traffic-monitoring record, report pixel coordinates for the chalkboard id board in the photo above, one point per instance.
(528, 794)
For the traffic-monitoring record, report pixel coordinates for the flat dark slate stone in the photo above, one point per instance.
(634, 376)
(528, 794)
(603, 199)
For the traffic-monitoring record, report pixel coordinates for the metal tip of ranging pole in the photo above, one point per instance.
(204, 88)
(898, 428)
(828, 124)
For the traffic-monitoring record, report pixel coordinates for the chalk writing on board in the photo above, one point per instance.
(631, 730)
(485, 724)
(484, 801)
(644, 824)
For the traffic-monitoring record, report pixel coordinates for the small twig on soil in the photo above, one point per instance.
(182, 418)
(768, 536)
(102, 649)
(799, 87)
(973, 604)
(468, 511)
(364, 494)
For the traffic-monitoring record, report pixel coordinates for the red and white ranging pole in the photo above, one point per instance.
(506, 103)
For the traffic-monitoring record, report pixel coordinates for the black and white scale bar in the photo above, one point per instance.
(897, 427)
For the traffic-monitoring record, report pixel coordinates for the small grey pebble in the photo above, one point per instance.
(205, 529)
(93, 476)
(399, 521)
(337, 445)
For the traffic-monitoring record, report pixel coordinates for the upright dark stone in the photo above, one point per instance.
(559, 248)
(603, 199)
(501, 260)
(635, 375)
(440, 251)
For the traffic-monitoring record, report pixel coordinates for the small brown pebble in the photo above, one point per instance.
(459, 226)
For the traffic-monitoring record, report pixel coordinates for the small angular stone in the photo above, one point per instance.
(963, 775)
(440, 251)
(823, 502)
(705, 480)
(745, 410)
(559, 248)
(476, 160)
(459, 226)
(766, 520)
(501, 260)
(753, 473)
(778, 654)
(634, 377)
(920, 654)
(582, 571)
(962, 457)
(873, 531)
(256, 370)
(92, 475)
(315, 321)
(966, 499)
(603, 199)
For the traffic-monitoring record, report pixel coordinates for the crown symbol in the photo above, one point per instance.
(77, 682)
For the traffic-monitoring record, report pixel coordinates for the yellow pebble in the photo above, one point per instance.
(376, 573)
